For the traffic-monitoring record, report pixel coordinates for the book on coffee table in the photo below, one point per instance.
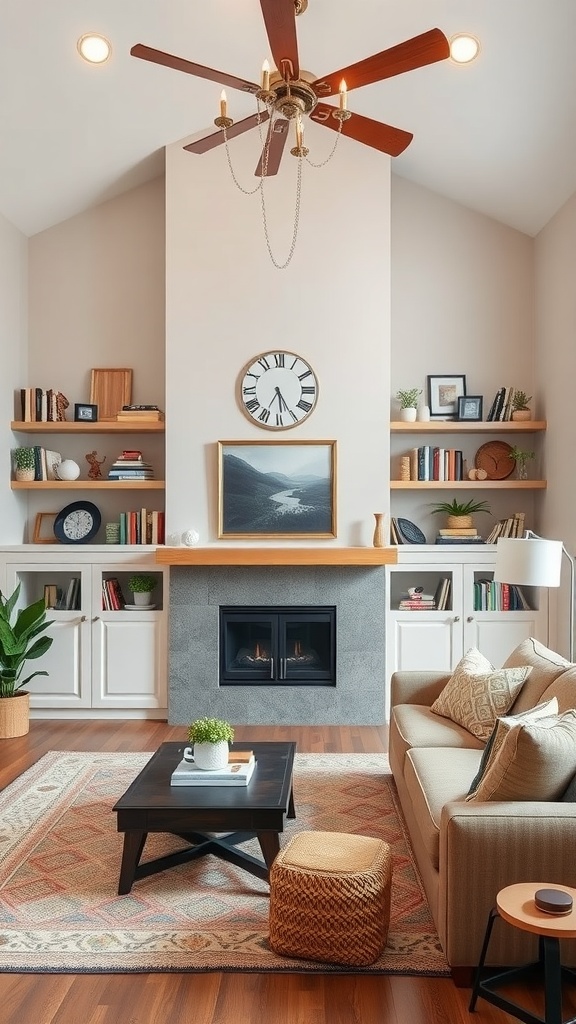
(235, 773)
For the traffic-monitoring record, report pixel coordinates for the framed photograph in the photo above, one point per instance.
(276, 490)
(110, 389)
(85, 413)
(44, 528)
(470, 407)
(443, 395)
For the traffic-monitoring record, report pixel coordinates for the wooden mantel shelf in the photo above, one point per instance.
(276, 556)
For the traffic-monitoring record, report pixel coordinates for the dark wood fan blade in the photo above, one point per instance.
(372, 133)
(414, 53)
(275, 141)
(179, 64)
(280, 21)
(217, 138)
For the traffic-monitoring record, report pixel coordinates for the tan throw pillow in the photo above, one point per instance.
(500, 730)
(546, 665)
(477, 694)
(564, 688)
(536, 761)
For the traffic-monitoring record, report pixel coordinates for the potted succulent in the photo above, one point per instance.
(408, 400)
(24, 462)
(20, 641)
(459, 514)
(521, 458)
(520, 409)
(142, 586)
(211, 738)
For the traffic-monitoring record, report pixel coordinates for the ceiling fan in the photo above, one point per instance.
(290, 92)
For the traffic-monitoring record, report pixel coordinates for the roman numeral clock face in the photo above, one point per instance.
(278, 390)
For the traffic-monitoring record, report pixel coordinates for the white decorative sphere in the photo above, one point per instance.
(190, 538)
(68, 470)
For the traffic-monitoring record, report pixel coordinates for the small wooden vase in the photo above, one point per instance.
(379, 540)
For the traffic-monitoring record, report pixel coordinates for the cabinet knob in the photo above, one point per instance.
(82, 618)
(95, 618)
(470, 618)
(456, 618)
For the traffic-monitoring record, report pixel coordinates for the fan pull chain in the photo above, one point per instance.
(249, 191)
(331, 153)
(282, 266)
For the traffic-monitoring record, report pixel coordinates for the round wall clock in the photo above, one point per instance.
(77, 523)
(278, 390)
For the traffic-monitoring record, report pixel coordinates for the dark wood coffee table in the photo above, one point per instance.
(257, 810)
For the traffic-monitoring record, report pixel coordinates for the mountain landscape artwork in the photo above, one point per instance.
(277, 489)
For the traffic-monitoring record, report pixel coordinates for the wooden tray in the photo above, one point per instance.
(495, 458)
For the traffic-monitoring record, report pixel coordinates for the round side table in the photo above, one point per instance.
(515, 904)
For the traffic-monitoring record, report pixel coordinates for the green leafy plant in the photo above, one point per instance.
(24, 458)
(520, 401)
(210, 730)
(20, 641)
(520, 455)
(409, 398)
(459, 508)
(142, 584)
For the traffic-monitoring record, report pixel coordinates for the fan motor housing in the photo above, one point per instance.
(291, 98)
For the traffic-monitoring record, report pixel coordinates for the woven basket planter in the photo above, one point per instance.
(14, 716)
(459, 522)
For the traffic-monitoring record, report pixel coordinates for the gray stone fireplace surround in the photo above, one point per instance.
(196, 594)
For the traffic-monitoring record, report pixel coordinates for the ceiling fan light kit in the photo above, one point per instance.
(94, 48)
(290, 93)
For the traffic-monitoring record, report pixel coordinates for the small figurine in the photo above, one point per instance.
(94, 472)
(62, 404)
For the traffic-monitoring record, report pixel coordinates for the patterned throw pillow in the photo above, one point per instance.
(477, 694)
(536, 761)
(500, 730)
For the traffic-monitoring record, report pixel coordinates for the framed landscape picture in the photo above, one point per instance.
(276, 490)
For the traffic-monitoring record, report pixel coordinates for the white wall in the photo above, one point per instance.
(225, 303)
(13, 363)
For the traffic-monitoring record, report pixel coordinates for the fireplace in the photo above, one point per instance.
(278, 646)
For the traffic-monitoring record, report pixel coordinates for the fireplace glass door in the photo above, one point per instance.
(278, 646)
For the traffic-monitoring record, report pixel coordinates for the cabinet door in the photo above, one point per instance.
(420, 641)
(128, 660)
(497, 633)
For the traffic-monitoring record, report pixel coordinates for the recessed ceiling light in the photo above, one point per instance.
(93, 48)
(464, 48)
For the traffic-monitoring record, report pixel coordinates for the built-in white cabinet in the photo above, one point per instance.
(437, 639)
(101, 660)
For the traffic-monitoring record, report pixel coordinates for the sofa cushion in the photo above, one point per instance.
(415, 725)
(433, 776)
(503, 725)
(546, 666)
(476, 694)
(536, 761)
(564, 689)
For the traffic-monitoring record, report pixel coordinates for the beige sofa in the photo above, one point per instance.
(468, 851)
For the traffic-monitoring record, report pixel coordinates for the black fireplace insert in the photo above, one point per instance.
(278, 646)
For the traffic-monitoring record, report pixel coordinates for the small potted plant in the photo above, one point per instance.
(211, 738)
(142, 586)
(24, 462)
(20, 641)
(521, 458)
(408, 400)
(520, 408)
(459, 514)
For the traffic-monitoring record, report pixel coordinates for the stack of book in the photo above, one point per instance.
(42, 405)
(112, 596)
(140, 414)
(463, 536)
(68, 599)
(237, 772)
(130, 466)
(438, 601)
(501, 408)
(513, 526)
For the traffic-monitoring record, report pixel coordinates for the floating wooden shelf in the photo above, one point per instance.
(277, 556)
(100, 427)
(87, 485)
(468, 427)
(468, 485)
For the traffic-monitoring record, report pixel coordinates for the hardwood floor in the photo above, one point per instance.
(221, 998)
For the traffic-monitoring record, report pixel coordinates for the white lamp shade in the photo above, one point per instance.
(528, 562)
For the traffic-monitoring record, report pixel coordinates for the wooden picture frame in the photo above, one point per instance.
(443, 394)
(110, 389)
(276, 490)
(41, 526)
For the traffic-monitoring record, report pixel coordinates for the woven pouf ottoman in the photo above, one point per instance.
(330, 898)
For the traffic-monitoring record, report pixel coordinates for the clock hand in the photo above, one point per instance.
(281, 402)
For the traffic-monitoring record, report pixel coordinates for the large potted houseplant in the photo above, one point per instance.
(142, 586)
(211, 738)
(20, 641)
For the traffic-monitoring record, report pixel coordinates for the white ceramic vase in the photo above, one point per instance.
(210, 756)
(67, 470)
(408, 415)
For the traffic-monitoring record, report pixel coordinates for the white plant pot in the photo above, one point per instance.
(210, 756)
(143, 598)
(408, 415)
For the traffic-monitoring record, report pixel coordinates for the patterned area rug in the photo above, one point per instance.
(60, 858)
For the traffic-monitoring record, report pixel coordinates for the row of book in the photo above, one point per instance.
(429, 462)
(490, 596)
(438, 601)
(63, 599)
(513, 526)
(130, 465)
(465, 535)
(501, 408)
(139, 414)
(142, 526)
(42, 405)
(112, 596)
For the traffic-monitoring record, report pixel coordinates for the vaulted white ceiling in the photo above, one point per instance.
(498, 135)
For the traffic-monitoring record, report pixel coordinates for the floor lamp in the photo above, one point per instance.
(532, 561)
